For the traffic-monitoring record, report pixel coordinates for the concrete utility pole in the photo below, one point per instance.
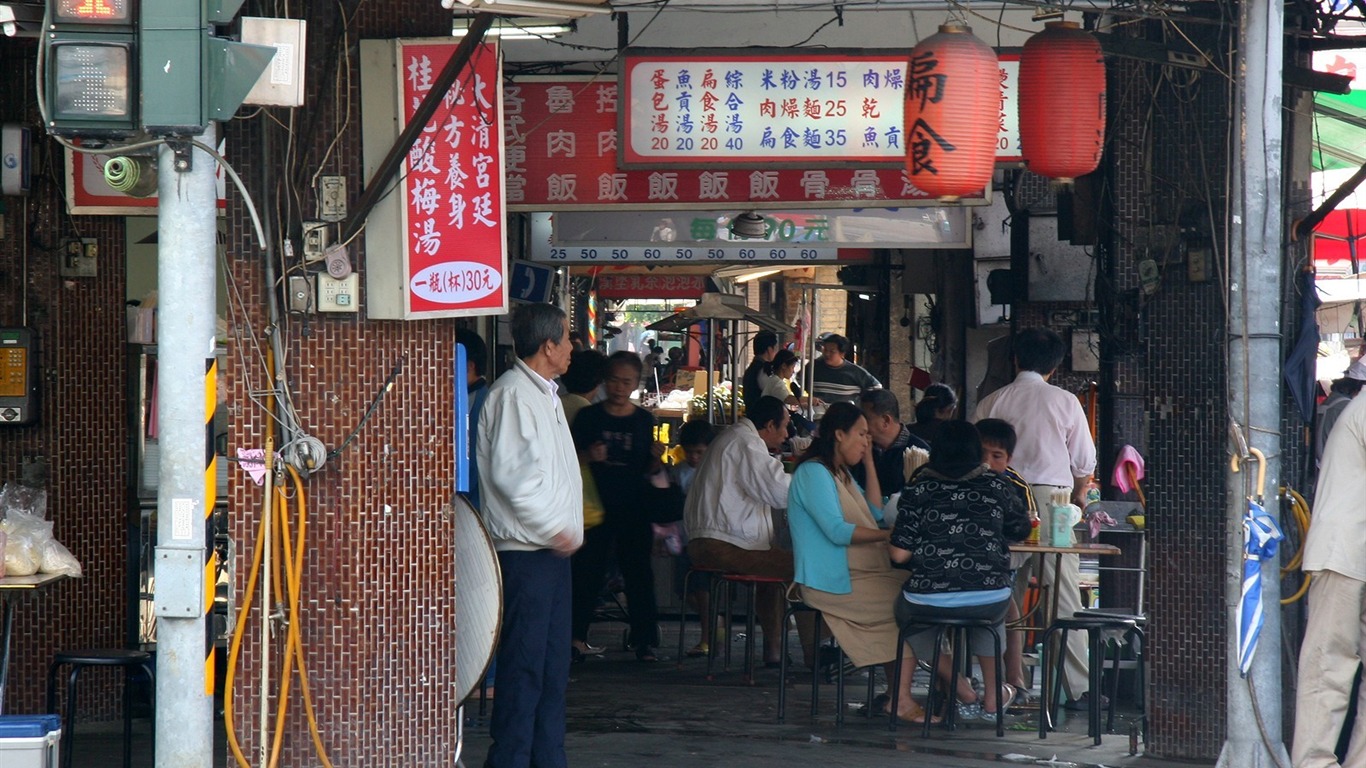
(187, 247)
(1254, 374)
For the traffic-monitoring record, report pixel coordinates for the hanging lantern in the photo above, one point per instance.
(953, 113)
(1062, 101)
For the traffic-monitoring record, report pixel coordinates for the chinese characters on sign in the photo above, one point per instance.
(561, 139)
(651, 286)
(836, 108)
(453, 186)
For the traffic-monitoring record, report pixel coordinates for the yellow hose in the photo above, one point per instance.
(295, 620)
(292, 635)
(1300, 509)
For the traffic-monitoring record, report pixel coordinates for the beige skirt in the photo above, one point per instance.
(862, 620)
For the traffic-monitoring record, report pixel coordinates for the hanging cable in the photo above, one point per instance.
(1299, 510)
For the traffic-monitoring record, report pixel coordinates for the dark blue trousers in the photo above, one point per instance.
(533, 662)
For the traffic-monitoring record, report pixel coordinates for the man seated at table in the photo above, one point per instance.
(837, 380)
(728, 515)
(896, 452)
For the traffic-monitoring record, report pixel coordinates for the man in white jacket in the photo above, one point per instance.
(532, 497)
(728, 514)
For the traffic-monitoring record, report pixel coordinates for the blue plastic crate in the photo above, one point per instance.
(29, 741)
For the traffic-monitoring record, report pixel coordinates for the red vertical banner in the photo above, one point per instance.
(452, 185)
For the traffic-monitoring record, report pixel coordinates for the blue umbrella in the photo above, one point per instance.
(1261, 538)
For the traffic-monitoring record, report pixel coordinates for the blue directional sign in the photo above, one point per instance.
(531, 283)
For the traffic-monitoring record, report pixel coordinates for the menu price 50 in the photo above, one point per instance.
(683, 254)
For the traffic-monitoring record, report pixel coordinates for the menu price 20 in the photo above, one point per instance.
(833, 109)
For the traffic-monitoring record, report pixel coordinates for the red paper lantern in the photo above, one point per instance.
(953, 113)
(1062, 101)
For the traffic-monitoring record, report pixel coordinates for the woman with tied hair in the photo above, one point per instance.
(935, 409)
(842, 564)
(779, 382)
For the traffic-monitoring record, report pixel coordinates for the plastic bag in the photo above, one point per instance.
(25, 536)
(29, 546)
(56, 558)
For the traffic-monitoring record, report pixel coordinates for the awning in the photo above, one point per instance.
(718, 306)
(1339, 131)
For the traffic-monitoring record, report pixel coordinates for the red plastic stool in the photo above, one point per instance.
(752, 582)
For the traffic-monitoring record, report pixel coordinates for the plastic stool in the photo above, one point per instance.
(130, 661)
(752, 582)
(1095, 626)
(799, 607)
(959, 629)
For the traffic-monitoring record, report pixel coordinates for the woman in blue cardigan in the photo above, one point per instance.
(840, 551)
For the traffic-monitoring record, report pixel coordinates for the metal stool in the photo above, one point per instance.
(752, 582)
(130, 661)
(799, 607)
(959, 629)
(683, 611)
(1095, 626)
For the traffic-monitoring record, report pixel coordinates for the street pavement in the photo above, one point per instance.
(623, 712)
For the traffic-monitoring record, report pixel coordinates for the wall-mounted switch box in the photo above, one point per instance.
(300, 297)
(316, 239)
(79, 257)
(339, 295)
(332, 198)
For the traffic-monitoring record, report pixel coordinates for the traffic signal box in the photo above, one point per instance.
(112, 68)
(90, 68)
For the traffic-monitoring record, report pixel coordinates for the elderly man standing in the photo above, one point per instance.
(1334, 643)
(728, 514)
(1055, 454)
(533, 508)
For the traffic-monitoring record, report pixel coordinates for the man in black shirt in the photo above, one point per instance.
(765, 347)
(891, 441)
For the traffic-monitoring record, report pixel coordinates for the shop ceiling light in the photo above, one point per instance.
(757, 274)
(516, 29)
(559, 9)
(749, 225)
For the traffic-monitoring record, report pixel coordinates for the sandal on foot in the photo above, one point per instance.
(701, 649)
(916, 715)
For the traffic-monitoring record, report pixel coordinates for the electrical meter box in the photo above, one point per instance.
(18, 376)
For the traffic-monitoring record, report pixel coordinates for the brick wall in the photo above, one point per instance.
(1168, 359)
(81, 435)
(378, 629)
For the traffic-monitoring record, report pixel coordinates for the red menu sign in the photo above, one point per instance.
(452, 187)
(661, 286)
(561, 148)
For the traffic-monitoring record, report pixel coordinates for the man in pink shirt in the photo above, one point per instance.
(1056, 455)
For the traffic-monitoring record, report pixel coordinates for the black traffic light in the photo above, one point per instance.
(89, 61)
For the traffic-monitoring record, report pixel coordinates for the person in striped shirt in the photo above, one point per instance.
(837, 380)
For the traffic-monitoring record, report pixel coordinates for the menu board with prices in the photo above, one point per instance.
(562, 155)
(833, 109)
